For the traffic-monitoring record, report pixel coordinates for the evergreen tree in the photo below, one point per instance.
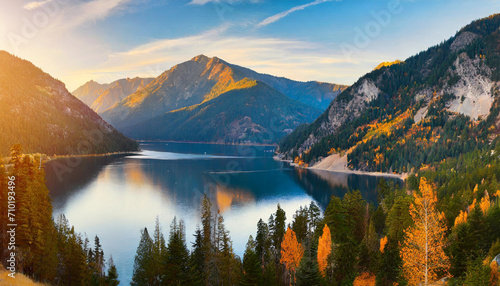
(262, 240)
(279, 227)
(144, 262)
(208, 247)
(177, 260)
(308, 273)
(112, 277)
(314, 216)
(252, 272)
(197, 260)
(159, 252)
(300, 224)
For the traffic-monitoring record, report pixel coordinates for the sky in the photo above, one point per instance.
(325, 40)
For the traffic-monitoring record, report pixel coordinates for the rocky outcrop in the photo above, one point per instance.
(473, 91)
(462, 40)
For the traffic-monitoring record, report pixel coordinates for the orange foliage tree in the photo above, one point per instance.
(291, 251)
(383, 243)
(485, 203)
(324, 249)
(422, 251)
(365, 279)
(461, 218)
(494, 275)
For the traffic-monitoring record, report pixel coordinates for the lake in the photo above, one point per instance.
(117, 196)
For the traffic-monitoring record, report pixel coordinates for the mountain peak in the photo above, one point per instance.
(200, 58)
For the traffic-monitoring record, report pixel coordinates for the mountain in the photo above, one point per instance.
(101, 97)
(38, 112)
(313, 93)
(437, 104)
(90, 91)
(202, 79)
(251, 111)
(117, 91)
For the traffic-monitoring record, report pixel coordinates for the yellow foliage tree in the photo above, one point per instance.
(291, 252)
(422, 251)
(324, 249)
(473, 205)
(461, 218)
(383, 242)
(485, 203)
(365, 279)
(494, 275)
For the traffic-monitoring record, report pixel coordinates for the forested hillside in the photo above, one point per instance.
(45, 250)
(352, 242)
(440, 103)
(38, 112)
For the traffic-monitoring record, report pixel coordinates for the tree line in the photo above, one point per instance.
(46, 250)
(407, 239)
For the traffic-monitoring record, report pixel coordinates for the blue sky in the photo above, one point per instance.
(333, 41)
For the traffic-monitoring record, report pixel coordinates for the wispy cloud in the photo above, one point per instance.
(203, 2)
(92, 11)
(295, 59)
(35, 4)
(281, 15)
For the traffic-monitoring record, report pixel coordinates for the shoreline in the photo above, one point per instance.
(338, 164)
(212, 143)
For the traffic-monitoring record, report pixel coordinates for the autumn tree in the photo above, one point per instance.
(291, 252)
(365, 279)
(324, 249)
(422, 252)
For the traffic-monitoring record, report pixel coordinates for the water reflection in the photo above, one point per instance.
(115, 197)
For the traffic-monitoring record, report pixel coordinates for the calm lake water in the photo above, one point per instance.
(115, 197)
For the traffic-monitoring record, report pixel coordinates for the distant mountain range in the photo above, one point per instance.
(38, 112)
(101, 97)
(251, 111)
(185, 88)
(440, 103)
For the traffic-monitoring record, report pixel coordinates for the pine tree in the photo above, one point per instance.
(228, 266)
(422, 253)
(197, 260)
(252, 272)
(262, 240)
(159, 252)
(308, 273)
(208, 246)
(112, 277)
(314, 216)
(177, 260)
(279, 227)
(300, 224)
(144, 262)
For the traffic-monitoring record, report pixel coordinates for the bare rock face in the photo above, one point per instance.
(473, 92)
(342, 111)
(462, 40)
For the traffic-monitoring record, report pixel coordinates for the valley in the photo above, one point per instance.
(168, 169)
